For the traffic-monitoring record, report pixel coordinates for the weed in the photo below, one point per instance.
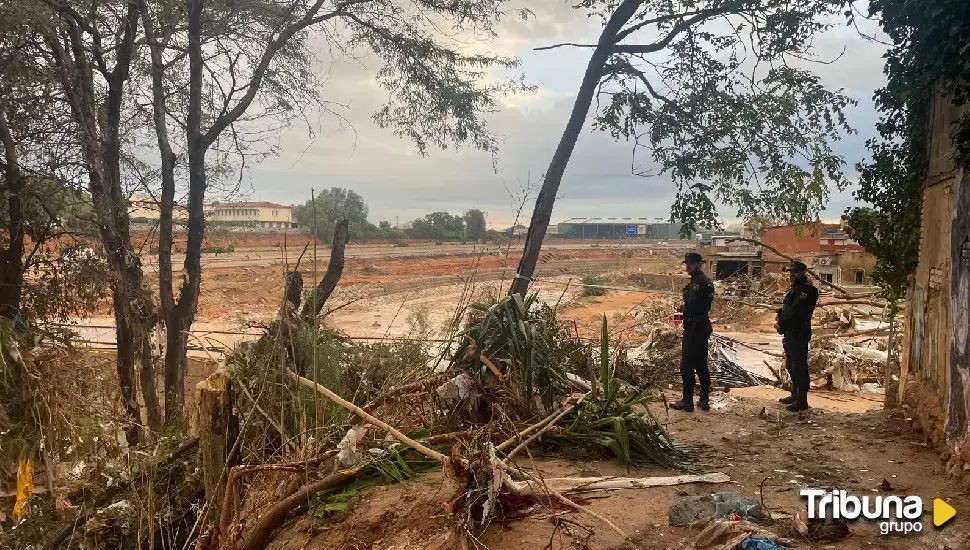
(593, 285)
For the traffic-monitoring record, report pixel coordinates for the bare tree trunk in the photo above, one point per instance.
(179, 321)
(176, 326)
(557, 167)
(149, 391)
(335, 268)
(76, 59)
(12, 257)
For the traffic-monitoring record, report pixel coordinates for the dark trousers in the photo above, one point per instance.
(693, 358)
(796, 363)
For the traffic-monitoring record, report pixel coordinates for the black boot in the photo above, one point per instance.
(686, 406)
(800, 403)
(704, 402)
(790, 399)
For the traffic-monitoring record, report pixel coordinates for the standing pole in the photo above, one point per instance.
(317, 407)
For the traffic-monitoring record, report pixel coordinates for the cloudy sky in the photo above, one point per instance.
(397, 183)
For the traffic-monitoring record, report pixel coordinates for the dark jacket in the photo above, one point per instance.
(698, 296)
(795, 316)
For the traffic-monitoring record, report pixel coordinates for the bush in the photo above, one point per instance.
(592, 284)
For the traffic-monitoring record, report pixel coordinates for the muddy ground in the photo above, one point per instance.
(858, 452)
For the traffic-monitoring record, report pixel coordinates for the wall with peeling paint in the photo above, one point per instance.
(936, 356)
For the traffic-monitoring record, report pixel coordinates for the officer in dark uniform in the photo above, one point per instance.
(795, 324)
(698, 296)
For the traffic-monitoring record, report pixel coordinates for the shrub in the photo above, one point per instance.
(591, 285)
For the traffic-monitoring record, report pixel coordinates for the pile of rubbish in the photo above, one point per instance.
(660, 356)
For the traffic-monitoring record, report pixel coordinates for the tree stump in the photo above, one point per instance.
(217, 431)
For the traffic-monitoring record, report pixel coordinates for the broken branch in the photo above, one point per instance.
(790, 259)
(430, 453)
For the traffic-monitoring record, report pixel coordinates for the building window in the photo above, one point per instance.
(827, 277)
(859, 277)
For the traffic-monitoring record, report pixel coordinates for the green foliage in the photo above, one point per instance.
(475, 227)
(440, 226)
(621, 425)
(719, 110)
(394, 465)
(513, 333)
(931, 39)
(593, 285)
(332, 205)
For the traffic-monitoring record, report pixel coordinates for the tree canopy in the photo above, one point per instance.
(930, 41)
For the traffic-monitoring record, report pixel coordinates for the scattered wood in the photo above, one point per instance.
(580, 484)
(432, 454)
(274, 517)
(550, 424)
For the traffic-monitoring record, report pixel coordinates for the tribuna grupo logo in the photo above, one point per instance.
(893, 513)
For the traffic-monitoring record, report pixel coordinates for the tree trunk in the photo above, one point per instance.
(216, 433)
(179, 321)
(176, 346)
(557, 167)
(335, 268)
(12, 257)
(149, 391)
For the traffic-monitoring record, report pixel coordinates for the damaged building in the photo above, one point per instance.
(935, 369)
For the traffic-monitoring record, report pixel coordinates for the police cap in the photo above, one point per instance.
(692, 258)
(797, 267)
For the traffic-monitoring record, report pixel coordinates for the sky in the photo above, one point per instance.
(399, 185)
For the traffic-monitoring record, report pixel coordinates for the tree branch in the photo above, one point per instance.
(564, 44)
(790, 259)
(680, 27)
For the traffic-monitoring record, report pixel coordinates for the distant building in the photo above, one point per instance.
(809, 238)
(265, 215)
(515, 231)
(620, 228)
(144, 208)
(845, 267)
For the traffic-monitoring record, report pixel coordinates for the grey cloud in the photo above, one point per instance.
(397, 182)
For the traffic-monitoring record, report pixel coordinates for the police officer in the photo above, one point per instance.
(698, 296)
(795, 324)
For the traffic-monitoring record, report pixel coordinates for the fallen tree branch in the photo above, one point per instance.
(430, 453)
(521, 435)
(577, 484)
(283, 437)
(518, 487)
(275, 515)
(790, 259)
(552, 422)
(421, 385)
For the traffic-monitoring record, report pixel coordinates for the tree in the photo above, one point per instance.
(712, 99)
(929, 55)
(475, 226)
(440, 226)
(332, 205)
(90, 55)
(219, 61)
(384, 226)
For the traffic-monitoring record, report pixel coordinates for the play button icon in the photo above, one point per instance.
(942, 512)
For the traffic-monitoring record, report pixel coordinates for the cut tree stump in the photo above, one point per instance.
(217, 430)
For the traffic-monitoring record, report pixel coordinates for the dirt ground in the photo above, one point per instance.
(233, 293)
(822, 448)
